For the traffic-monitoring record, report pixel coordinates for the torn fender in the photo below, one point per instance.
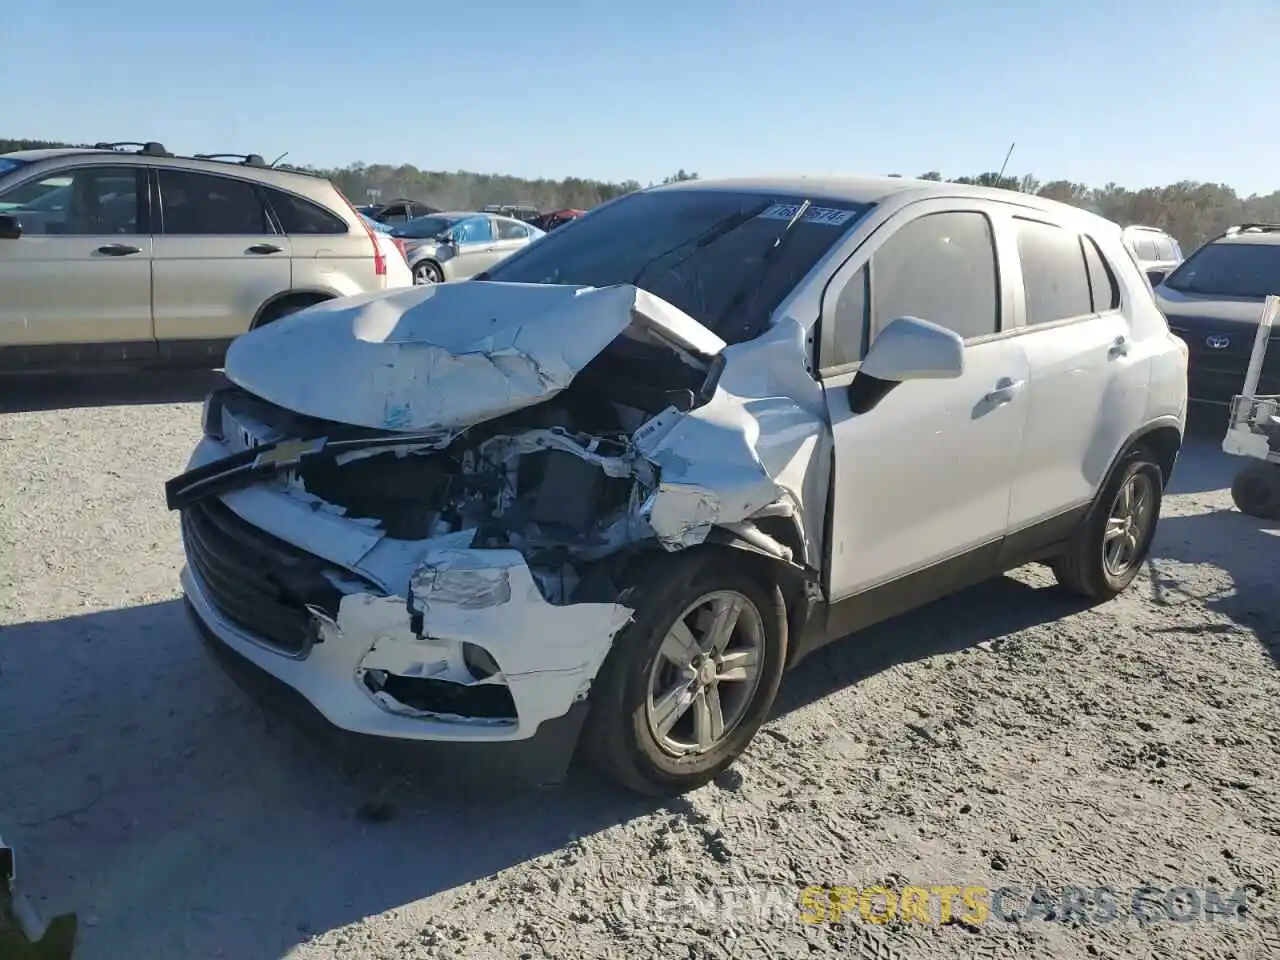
(448, 356)
(762, 440)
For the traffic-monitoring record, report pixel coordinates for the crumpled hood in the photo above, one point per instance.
(447, 356)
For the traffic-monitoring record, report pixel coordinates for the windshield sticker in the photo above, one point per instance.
(831, 216)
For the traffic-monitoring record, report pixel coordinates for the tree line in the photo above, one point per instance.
(1189, 210)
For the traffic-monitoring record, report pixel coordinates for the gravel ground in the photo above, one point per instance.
(1005, 737)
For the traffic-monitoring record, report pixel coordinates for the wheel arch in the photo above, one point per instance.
(1162, 438)
(307, 297)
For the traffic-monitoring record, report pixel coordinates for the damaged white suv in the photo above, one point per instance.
(611, 490)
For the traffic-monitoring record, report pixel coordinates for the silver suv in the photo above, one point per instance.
(1157, 253)
(115, 254)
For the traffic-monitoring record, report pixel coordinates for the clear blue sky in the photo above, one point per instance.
(1137, 92)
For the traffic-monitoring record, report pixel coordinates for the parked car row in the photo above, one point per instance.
(116, 254)
(458, 245)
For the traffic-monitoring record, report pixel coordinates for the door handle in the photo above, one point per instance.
(263, 248)
(118, 250)
(1006, 389)
(1119, 348)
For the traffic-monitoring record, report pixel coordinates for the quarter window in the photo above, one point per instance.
(298, 216)
(1102, 282)
(941, 268)
(1054, 274)
(198, 204)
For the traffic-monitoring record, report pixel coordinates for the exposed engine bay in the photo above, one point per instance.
(558, 480)
(487, 489)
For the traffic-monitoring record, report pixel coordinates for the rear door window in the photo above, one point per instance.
(512, 230)
(1054, 273)
(200, 204)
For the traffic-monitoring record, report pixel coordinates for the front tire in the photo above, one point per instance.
(1112, 543)
(691, 679)
(1256, 491)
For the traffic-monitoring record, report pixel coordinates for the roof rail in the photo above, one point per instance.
(245, 159)
(1251, 228)
(1143, 226)
(149, 147)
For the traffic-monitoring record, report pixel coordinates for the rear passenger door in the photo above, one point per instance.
(217, 256)
(326, 254)
(512, 235)
(1085, 392)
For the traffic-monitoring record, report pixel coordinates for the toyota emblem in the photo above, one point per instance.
(1218, 342)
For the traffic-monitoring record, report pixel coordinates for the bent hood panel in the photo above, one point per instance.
(445, 356)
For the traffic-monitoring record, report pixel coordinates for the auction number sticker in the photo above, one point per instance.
(831, 216)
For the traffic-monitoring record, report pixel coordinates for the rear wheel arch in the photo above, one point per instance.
(1162, 439)
(285, 303)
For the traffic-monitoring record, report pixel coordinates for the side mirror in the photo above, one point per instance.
(913, 349)
(10, 227)
(1156, 277)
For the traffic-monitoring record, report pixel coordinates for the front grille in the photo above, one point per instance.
(1218, 375)
(258, 581)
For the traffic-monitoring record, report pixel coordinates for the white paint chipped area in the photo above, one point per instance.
(1000, 737)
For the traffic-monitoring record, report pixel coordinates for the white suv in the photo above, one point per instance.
(620, 483)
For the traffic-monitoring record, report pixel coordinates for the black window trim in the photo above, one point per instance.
(1004, 320)
(277, 224)
(1083, 236)
(141, 183)
(273, 227)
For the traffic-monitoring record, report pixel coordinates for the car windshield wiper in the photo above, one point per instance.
(752, 284)
(709, 236)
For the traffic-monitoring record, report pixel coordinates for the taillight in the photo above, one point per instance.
(379, 261)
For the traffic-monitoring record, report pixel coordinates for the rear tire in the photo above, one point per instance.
(1111, 544)
(719, 699)
(1256, 491)
(426, 273)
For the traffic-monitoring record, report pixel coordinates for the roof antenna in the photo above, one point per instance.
(279, 158)
(1000, 175)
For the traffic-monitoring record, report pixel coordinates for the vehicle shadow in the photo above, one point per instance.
(137, 774)
(25, 393)
(1242, 551)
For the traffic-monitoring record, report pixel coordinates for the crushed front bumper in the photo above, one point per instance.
(370, 733)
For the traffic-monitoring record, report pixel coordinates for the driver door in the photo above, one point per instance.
(922, 478)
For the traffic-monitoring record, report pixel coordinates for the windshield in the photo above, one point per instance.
(1247, 270)
(424, 228)
(693, 248)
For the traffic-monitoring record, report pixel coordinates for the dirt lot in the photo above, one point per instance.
(1006, 737)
